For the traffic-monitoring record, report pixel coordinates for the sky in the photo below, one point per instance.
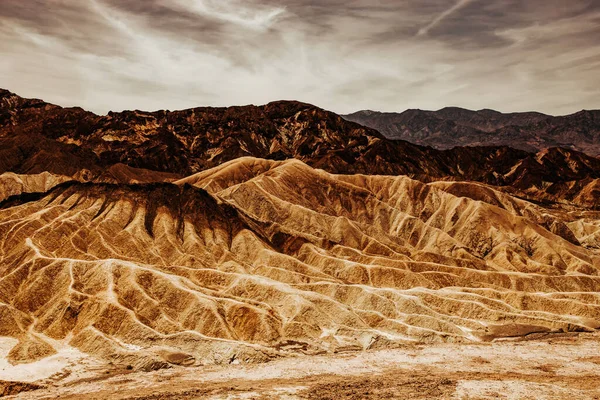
(342, 55)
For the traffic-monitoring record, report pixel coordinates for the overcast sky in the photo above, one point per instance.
(342, 55)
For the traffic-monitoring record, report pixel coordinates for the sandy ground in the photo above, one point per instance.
(67, 362)
(555, 367)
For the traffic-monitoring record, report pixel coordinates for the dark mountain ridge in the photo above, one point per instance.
(454, 126)
(36, 136)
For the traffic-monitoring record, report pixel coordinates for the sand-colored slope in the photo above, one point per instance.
(12, 184)
(15, 184)
(278, 257)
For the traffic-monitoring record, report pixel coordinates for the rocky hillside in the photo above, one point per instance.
(137, 146)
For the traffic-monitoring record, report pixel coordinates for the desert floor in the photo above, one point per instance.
(551, 367)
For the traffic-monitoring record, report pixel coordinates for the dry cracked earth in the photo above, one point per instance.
(262, 278)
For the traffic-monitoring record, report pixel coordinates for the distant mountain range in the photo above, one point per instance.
(453, 126)
(140, 146)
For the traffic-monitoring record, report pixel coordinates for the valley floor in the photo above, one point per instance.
(551, 367)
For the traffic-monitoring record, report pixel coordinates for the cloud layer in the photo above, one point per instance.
(342, 55)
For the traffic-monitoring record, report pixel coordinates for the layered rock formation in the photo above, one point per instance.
(257, 258)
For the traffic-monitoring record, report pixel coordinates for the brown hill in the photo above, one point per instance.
(257, 258)
(453, 126)
(37, 137)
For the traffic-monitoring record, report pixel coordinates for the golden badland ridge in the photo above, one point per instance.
(258, 258)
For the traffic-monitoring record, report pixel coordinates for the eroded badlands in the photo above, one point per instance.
(257, 259)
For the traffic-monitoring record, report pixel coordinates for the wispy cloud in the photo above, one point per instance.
(343, 55)
(235, 12)
(460, 4)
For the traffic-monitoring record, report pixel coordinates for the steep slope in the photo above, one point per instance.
(453, 126)
(37, 137)
(277, 257)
